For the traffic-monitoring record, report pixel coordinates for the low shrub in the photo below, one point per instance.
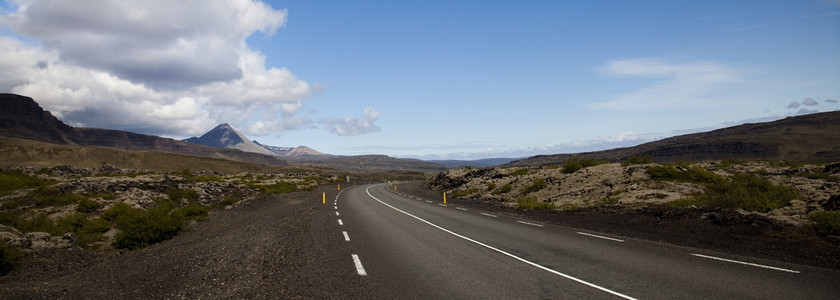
(531, 203)
(574, 164)
(538, 184)
(13, 180)
(520, 172)
(748, 192)
(503, 190)
(687, 174)
(462, 193)
(637, 159)
(177, 194)
(141, 228)
(9, 257)
(88, 206)
(826, 222)
(610, 199)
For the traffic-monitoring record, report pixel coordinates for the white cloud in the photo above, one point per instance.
(809, 102)
(793, 104)
(354, 126)
(677, 85)
(175, 68)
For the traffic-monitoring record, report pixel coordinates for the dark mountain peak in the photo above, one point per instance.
(224, 136)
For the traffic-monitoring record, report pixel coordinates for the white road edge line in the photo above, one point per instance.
(489, 215)
(340, 223)
(600, 237)
(359, 268)
(461, 208)
(427, 201)
(444, 205)
(532, 224)
(346, 236)
(592, 285)
(746, 263)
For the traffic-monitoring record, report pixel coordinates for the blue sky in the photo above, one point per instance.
(434, 79)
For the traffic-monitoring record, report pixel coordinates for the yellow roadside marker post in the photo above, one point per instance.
(444, 198)
(324, 198)
(339, 187)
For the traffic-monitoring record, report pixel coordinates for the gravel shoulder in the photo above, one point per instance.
(272, 247)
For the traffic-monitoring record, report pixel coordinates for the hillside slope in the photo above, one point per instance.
(809, 138)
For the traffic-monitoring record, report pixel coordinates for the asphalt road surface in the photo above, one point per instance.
(407, 247)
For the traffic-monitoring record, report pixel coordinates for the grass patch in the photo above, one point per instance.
(503, 190)
(611, 199)
(141, 228)
(637, 159)
(462, 193)
(531, 203)
(826, 222)
(748, 192)
(176, 194)
(9, 257)
(574, 164)
(536, 185)
(13, 180)
(685, 174)
(520, 172)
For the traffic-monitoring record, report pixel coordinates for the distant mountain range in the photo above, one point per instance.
(225, 136)
(808, 138)
(21, 117)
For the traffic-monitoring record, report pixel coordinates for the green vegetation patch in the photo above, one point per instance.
(826, 222)
(520, 172)
(462, 193)
(13, 180)
(610, 199)
(575, 164)
(531, 203)
(637, 159)
(9, 257)
(685, 174)
(748, 192)
(503, 190)
(538, 184)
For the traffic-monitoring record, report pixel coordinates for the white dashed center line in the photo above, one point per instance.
(359, 268)
(532, 224)
(600, 237)
(745, 263)
(339, 222)
(489, 215)
(346, 237)
(336, 213)
(461, 208)
(441, 204)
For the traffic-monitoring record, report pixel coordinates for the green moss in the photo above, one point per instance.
(520, 172)
(826, 222)
(503, 190)
(748, 192)
(637, 159)
(13, 180)
(531, 203)
(536, 185)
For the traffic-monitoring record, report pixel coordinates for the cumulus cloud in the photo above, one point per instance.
(809, 102)
(830, 101)
(677, 85)
(174, 68)
(354, 126)
(793, 104)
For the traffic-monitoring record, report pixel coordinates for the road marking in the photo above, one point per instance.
(336, 207)
(600, 237)
(461, 208)
(532, 224)
(575, 279)
(489, 215)
(336, 213)
(444, 205)
(359, 268)
(346, 237)
(745, 263)
(427, 201)
(340, 223)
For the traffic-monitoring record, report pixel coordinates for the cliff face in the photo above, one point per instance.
(21, 117)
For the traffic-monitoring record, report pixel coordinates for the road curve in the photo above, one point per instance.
(406, 247)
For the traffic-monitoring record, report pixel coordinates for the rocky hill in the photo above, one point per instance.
(809, 138)
(21, 117)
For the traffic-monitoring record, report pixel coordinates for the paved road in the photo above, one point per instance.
(406, 247)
